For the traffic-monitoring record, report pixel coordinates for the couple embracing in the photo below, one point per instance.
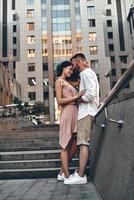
(78, 110)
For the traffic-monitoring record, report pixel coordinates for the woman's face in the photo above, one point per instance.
(68, 71)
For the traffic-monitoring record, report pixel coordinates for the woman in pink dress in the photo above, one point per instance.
(66, 96)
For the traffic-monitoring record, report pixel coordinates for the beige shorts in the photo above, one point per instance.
(84, 130)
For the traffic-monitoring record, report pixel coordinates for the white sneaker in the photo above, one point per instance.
(60, 177)
(75, 179)
(67, 179)
(74, 172)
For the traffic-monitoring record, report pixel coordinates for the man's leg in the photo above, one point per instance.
(84, 135)
(83, 159)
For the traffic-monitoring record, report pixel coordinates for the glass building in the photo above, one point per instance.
(42, 33)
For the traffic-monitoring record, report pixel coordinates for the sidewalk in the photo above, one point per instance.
(45, 189)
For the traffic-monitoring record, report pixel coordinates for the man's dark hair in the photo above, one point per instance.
(71, 58)
(79, 56)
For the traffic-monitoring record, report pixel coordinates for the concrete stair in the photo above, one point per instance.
(31, 153)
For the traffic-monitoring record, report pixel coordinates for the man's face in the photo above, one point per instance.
(81, 64)
(74, 64)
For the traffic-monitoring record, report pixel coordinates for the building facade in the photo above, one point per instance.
(9, 52)
(52, 31)
(49, 31)
(9, 35)
(9, 87)
(117, 37)
(131, 25)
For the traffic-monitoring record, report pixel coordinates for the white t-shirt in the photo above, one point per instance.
(88, 82)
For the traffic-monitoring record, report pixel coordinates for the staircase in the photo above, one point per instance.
(31, 153)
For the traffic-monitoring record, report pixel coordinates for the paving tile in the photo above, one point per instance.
(45, 189)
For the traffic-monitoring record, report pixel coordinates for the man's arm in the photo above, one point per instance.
(90, 86)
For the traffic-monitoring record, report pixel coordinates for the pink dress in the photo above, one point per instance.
(68, 118)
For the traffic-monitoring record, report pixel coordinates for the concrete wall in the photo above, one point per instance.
(112, 152)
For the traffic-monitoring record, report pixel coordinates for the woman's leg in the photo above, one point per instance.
(64, 162)
(73, 146)
(72, 149)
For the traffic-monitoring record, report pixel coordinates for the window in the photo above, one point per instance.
(46, 95)
(14, 28)
(60, 2)
(60, 13)
(43, 13)
(32, 81)
(31, 53)
(109, 1)
(14, 52)
(92, 36)
(112, 58)
(30, 13)
(32, 96)
(44, 52)
(77, 11)
(14, 17)
(14, 75)
(13, 4)
(123, 59)
(110, 35)
(14, 40)
(14, 65)
(44, 26)
(30, 26)
(31, 67)
(94, 64)
(111, 47)
(43, 1)
(91, 22)
(109, 23)
(30, 2)
(61, 26)
(31, 39)
(44, 41)
(45, 66)
(93, 50)
(108, 12)
(113, 71)
(91, 10)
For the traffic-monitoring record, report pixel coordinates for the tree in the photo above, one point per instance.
(39, 108)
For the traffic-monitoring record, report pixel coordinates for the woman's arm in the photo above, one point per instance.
(59, 97)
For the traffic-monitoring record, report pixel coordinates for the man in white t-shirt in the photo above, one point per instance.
(88, 106)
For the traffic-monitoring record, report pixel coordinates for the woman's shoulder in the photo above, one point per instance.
(59, 81)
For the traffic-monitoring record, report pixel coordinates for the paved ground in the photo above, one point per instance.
(45, 189)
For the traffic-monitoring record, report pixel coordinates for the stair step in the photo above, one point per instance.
(29, 144)
(29, 155)
(33, 173)
(25, 164)
(30, 133)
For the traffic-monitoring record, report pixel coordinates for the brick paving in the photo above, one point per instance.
(45, 189)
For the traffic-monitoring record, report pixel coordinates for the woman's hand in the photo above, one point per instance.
(81, 93)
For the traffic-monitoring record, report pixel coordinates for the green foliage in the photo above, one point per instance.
(19, 102)
(39, 108)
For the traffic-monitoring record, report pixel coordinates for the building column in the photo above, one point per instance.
(50, 64)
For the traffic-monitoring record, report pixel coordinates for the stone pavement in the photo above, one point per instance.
(45, 189)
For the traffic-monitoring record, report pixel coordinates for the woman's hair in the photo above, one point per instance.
(61, 66)
(75, 76)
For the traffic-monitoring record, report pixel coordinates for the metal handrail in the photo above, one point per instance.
(119, 122)
(124, 79)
